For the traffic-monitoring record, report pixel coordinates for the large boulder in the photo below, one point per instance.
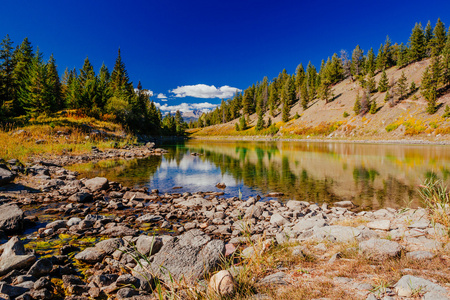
(406, 286)
(14, 256)
(97, 184)
(190, 256)
(11, 218)
(337, 233)
(6, 176)
(380, 249)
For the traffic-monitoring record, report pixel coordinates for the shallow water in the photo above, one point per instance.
(370, 175)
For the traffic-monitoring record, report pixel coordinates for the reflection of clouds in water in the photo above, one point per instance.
(204, 180)
(187, 163)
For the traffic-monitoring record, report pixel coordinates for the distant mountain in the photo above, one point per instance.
(191, 115)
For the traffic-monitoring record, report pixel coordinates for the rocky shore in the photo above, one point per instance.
(80, 238)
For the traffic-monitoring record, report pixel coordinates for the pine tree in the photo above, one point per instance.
(387, 52)
(370, 83)
(273, 99)
(23, 56)
(103, 89)
(402, 86)
(260, 122)
(370, 62)
(428, 39)
(446, 61)
(412, 88)
(357, 106)
(381, 59)
(439, 39)
(417, 43)
(383, 84)
(6, 76)
(304, 96)
(357, 61)
(54, 85)
(387, 97)
(365, 102)
(402, 56)
(373, 107)
(429, 91)
(311, 80)
(247, 102)
(120, 84)
(300, 76)
(346, 65)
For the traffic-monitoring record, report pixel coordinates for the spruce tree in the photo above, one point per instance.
(446, 61)
(439, 39)
(402, 86)
(412, 88)
(370, 62)
(54, 85)
(402, 56)
(260, 122)
(300, 76)
(120, 84)
(383, 84)
(429, 91)
(23, 56)
(370, 83)
(6, 76)
(357, 105)
(417, 49)
(346, 65)
(304, 96)
(365, 102)
(428, 39)
(381, 59)
(373, 107)
(357, 61)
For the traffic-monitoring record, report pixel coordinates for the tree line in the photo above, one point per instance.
(31, 86)
(281, 93)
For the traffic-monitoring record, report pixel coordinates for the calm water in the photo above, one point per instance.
(372, 176)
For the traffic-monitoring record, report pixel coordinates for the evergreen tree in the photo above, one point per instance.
(402, 56)
(6, 76)
(370, 62)
(103, 88)
(428, 38)
(439, 39)
(357, 61)
(346, 64)
(417, 42)
(247, 102)
(371, 85)
(446, 61)
(260, 122)
(402, 86)
(381, 59)
(412, 87)
(365, 102)
(387, 97)
(273, 99)
(311, 80)
(300, 76)
(23, 56)
(304, 96)
(120, 84)
(54, 85)
(357, 105)
(429, 91)
(387, 53)
(383, 84)
(373, 107)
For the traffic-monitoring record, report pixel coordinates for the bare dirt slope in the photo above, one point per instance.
(408, 119)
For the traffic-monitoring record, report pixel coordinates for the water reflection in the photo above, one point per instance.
(372, 176)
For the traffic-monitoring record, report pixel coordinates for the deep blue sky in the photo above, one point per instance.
(173, 43)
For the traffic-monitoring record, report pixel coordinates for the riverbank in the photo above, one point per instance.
(90, 237)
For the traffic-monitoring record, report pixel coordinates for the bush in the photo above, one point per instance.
(392, 127)
(273, 129)
(346, 114)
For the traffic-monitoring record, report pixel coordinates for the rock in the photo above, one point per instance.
(103, 280)
(14, 257)
(6, 176)
(125, 293)
(277, 219)
(336, 233)
(344, 204)
(41, 283)
(195, 202)
(306, 224)
(296, 205)
(81, 197)
(91, 255)
(435, 296)
(42, 294)
(277, 278)
(56, 225)
(191, 256)
(139, 196)
(40, 268)
(12, 291)
(148, 245)
(73, 221)
(119, 231)
(420, 224)
(222, 283)
(149, 218)
(408, 284)
(380, 225)
(110, 245)
(221, 185)
(127, 279)
(97, 184)
(419, 255)
(11, 218)
(380, 249)
(281, 238)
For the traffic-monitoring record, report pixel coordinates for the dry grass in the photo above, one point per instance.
(57, 135)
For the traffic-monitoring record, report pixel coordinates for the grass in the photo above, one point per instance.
(58, 135)
(435, 197)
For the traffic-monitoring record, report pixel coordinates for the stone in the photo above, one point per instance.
(191, 256)
(11, 218)
(194, 202)
(420, 224)
(125, 293)
(97, 184)
(296, 205)
(6, 176)
(81, 197)
(14, 257)
(277, 219)
(41, 267)
(55, 225)
(435, 296)
(380, 225)
(336, 233)
(91, 255)
(148, 245)
(420, 255)
(119, 231)
(281, 238)
(110, 245)
(149, 218)
(12, 291)
(222, 283)
(41, 283)
(73, 221)
(408, 284)
(127, 279)
(139, 196)
(380, 249)
(306, 224)
(277, 278)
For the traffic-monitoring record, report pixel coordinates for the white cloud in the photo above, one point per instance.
(204, 91)
(147, 92)
(161, 96)
(186, 107)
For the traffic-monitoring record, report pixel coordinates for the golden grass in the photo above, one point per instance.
(56, 135)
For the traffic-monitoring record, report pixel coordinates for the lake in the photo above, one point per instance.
(371, 175)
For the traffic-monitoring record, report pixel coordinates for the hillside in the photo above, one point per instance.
(407, 119)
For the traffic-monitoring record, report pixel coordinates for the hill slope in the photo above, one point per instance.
(406, 119)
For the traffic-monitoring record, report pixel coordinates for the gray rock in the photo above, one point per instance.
(419, 255)
(379, 224)
(12, 291)
(110, 245)
(408, 284)
(148, 245)
(296, 205)
(149, 218)
(6, 176)
(277, 278)
(281, 238)
(125, 293)
(97, 184)
(336, 233)
(40, 268)
(435, 296)
(277, 219)
(195, 202)
(14, 257)
(73, 221)
(380, 249)
(190, 256)
(306, 224)
(11, 218)
(91, 255)
(81, 197)
(119, 231)
(56, 225)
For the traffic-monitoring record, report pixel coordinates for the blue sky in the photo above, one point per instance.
(196, 52)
